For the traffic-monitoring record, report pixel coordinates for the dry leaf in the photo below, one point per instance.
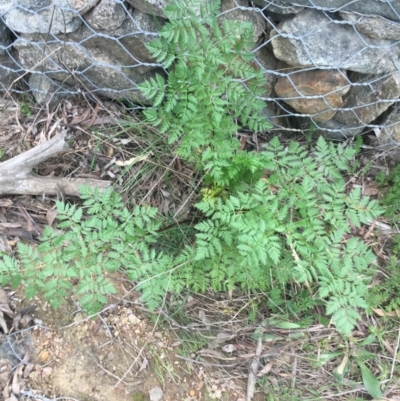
(50, 216)
(382, 313)
(3, 323)
(16, 321)
(4, 299)
(28, 369)
(133, 160)
(5, 202)
(6, 309)
(80, 117)
(204, 318)
(371, 189)
(26, 319)
(265, 370)
(211, 352)
(143, 366)
(15, 387)
(224, 337)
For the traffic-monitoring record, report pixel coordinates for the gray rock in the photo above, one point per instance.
(369, 98)
(156, 394)
(312, 38)
(230, 10)
(4, 37)
(374, 27)
(46, 90)
(43, 16)
(334, 129)
(277, 117)
(8, 70)
(278, 7)
(390, 133)
(385, 8)
(152, 7)
(267, 62)
(106, 15)
(111, 66)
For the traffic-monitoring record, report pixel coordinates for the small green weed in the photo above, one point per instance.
(385, 295)
(355, 353)
(391, 199)
(25, 110)
(277, 392)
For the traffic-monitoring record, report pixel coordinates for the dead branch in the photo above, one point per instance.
(16, 176)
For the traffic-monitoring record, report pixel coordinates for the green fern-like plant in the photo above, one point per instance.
(292, 227)
(212, 88)
(85, 250)
(289, 228)
(271, 220)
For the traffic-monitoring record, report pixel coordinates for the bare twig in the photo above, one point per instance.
(16, 175)
(251, 381)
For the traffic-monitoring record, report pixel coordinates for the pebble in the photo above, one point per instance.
(134, 319)
(156, 394)
(44, 356)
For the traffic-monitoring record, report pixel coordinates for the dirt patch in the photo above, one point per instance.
(111, 357)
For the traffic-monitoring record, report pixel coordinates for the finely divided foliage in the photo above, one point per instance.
(212, 86)
(270, 219)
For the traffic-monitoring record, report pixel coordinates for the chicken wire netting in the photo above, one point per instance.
(332, 67)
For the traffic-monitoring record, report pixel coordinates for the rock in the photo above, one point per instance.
(333, 129)
(311, 38)
(277, 117)
(7, 65)
(42, 16)
(328, 85)
(111, 66)
(4, 37)
(389, 9)
(267, 61)
(389, 135)
(231, 10)
(374, 27)
(83, 6)
(8, 71)
(151, 7)
(133, 319)
(106, 15)
(156, 394)
(46, 90)
(278, 7)
(369, 98)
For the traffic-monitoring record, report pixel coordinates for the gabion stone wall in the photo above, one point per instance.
(332, 65)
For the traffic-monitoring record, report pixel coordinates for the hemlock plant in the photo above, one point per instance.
(212, 87)
(270, 220)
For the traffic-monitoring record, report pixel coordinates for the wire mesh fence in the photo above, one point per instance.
(333, 67)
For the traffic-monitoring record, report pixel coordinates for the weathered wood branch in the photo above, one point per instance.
(17, 178)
